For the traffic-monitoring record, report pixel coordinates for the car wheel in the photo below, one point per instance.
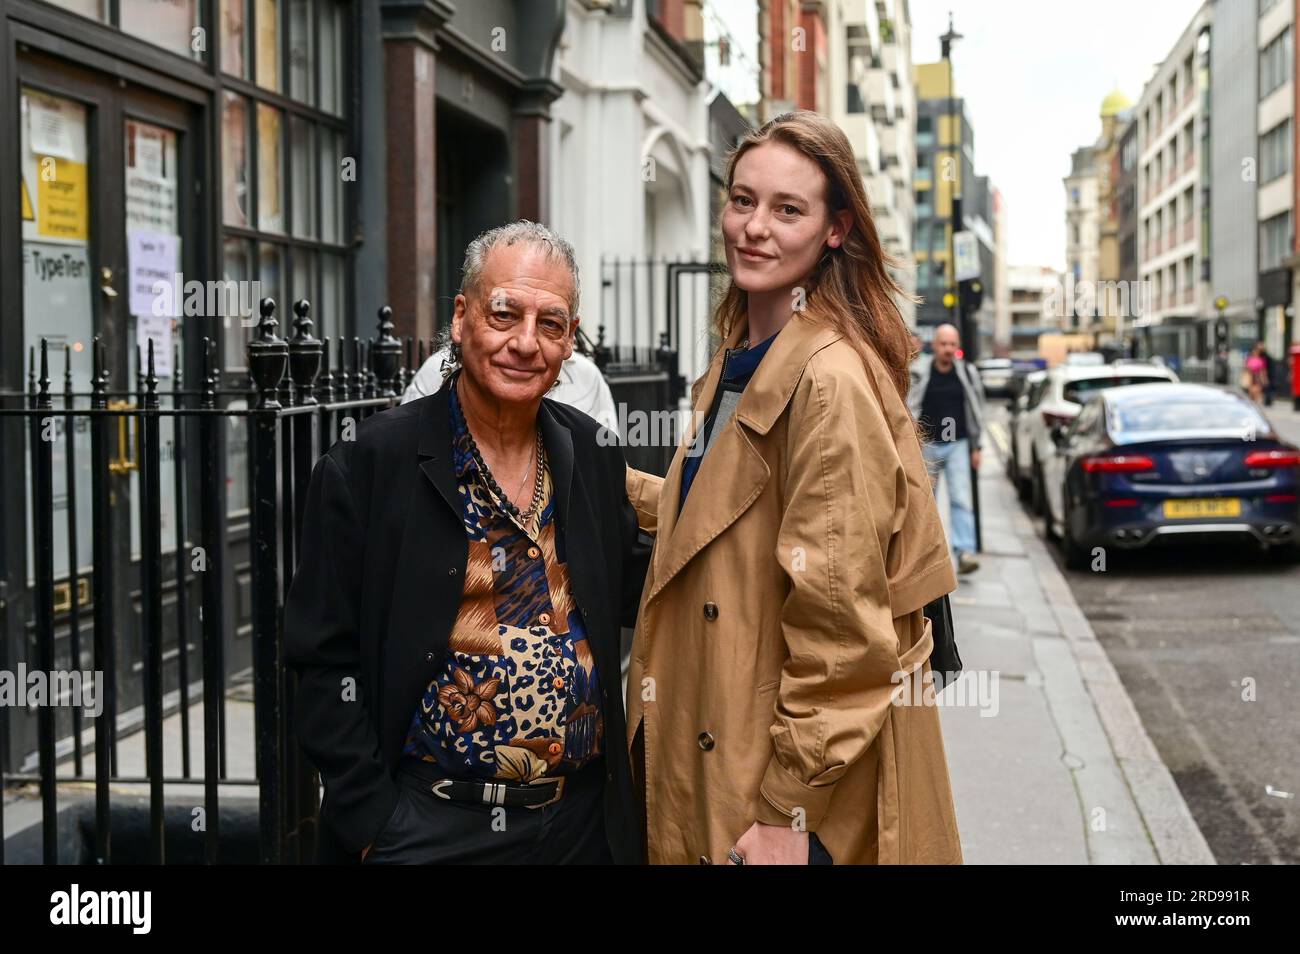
(1037, 493)
(1076, 556)
(1024, 486)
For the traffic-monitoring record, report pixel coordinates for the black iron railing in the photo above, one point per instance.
(296, 408)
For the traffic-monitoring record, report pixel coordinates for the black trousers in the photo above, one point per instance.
(428, 830)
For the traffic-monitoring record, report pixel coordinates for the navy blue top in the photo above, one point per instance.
(738, 367)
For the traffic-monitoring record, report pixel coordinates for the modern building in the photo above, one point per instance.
(1275, 128)
(1124, 168)
(945, 167)
(1082, 235)
(1174, 228)
(1029, 307)
(874, 101)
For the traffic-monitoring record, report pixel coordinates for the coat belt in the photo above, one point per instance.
(889, 849)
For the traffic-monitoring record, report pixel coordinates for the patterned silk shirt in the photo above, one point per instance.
(519, 697)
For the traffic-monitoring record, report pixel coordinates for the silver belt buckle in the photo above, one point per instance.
(559, 791)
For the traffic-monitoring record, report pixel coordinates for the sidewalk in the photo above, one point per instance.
(1061, 771)
(1285, 418)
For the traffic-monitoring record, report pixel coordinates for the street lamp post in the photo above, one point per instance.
(946, 41)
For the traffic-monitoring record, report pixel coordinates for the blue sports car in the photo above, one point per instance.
(1165, 462)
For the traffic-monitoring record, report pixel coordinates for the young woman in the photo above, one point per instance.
(797, 541)
(1256, 373)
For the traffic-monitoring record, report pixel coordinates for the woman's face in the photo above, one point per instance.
(776, 221)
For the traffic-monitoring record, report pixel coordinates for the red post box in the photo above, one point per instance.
(1295, 376)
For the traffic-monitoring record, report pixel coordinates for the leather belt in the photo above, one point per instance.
(533, 795)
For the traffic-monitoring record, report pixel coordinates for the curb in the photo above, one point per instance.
(1163, 813)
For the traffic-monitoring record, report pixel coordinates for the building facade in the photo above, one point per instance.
(630, 184)
(945, 167)
(1174, 228)
(1029, 308)
(1275, 133)
(874, 101)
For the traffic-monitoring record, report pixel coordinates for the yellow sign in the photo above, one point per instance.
(62, 209)
(29, 214)
(1211, 507)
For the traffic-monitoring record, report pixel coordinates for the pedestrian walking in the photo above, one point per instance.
(1254, 375)
(947, 399)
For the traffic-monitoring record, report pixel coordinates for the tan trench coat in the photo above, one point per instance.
(781, 609)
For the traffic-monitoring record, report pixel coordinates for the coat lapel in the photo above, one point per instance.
(576, 513)
(433, 514)
(733, 474)
(671, 492)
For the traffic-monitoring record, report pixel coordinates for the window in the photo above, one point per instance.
(170, 25)
(1275, 63)
(284, 159)
(859, 56)
(1274, 241)
(1275, 152)
(924, 131)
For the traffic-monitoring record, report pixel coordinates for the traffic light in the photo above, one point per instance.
(972, 294)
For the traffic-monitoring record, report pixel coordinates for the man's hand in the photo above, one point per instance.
(975, 459)
(772, 845)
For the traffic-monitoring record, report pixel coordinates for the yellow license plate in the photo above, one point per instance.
(1210, 507)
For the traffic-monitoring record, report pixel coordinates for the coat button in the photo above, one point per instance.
(544, 618)
(451, 571)
(704, 860)
(428, 657)
(706, 741)
(710, 611)
(533, 553)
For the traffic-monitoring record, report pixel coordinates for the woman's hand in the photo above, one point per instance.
(772, 845)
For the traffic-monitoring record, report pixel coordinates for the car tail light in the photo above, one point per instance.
(1280, 498)
(1273, 458)
(1122, 502)
(1051, 420)
(1117, 464)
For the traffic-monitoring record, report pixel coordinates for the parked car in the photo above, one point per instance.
(1065, 391)
(995, 374)
(1170, 462)
(1030, 393)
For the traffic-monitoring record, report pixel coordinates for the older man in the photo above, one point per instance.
(947, 398)
(467, 563)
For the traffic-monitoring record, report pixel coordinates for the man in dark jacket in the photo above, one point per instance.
(466, 565)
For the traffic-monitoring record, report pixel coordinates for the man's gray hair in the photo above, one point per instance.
(523, 230)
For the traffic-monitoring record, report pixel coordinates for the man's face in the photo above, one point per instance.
(945, 345)
(515, 330)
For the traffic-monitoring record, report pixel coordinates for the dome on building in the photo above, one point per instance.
(1115, 103)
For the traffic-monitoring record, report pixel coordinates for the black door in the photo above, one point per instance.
(111, 215)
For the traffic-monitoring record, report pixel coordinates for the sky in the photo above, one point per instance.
(1033, 73)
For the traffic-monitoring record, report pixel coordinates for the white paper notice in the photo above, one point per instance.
(49, 130)
(152, 257)
(156, 328)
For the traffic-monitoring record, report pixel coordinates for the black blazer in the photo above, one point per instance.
(378, 587)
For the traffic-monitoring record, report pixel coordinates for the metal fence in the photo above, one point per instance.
(179, 605)
(296, 407)
(656, 313)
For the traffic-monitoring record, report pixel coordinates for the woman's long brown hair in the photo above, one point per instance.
(850, 287)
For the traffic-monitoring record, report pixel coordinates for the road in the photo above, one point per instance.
(1207, 643)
